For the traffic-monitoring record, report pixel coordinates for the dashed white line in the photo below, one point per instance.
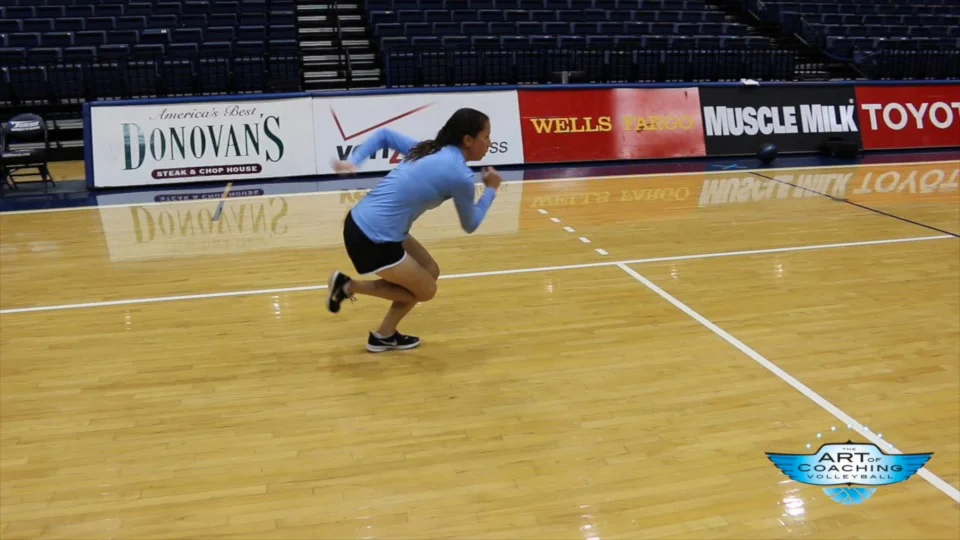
(583, 239)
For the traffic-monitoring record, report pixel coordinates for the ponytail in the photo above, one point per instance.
(424, 148)
(463, 122)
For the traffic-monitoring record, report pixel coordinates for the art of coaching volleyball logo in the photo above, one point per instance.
(850, 473)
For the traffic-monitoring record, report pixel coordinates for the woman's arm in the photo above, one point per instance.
(381, 139)
(472, 214)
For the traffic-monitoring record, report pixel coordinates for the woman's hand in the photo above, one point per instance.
(491, 178)
(344, 167)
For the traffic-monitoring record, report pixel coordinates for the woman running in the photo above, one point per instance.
(376, 232)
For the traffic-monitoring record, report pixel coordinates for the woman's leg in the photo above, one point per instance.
(401, 308)
(383, 288)
(422, 256)
(413, 279)
(380, 288)
(406, 283)
(359, 245)
(411, 275)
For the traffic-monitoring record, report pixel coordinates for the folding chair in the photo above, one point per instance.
(24, 129)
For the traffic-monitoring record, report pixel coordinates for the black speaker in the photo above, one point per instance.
(839, 147)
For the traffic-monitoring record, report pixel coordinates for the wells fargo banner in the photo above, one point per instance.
(562, 126)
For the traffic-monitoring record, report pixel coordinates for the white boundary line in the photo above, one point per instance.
(538, 181)
(153, 300)
(935, 480)
(721, 171)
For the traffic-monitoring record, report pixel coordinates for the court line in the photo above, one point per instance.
(858, 205)
(583, 239)
(935, 480)
(533, 181)
(723, 172)
(153, 300)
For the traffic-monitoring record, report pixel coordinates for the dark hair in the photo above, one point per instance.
(463, 122)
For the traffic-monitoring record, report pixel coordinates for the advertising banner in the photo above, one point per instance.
(897, 117)
(171, 143)
(740, 120)
(343, 123)
(562, 126)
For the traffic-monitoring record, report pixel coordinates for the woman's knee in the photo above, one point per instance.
(418, 281)
(434, 270)
(427, 292)
(420, 254)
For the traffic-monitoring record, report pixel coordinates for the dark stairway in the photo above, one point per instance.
(812, 64)
(336, 47)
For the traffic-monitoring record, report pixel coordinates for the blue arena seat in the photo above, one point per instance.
(98, 49)
(703, 35)
(105, 49)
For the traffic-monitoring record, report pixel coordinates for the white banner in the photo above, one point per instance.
(271, 217)
(172, 143)
(343, 123)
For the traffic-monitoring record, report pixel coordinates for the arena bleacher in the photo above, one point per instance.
(885, 39)
(530, 41)
(61, 50)
(56, 54)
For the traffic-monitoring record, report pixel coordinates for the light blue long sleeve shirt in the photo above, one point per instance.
(413, 187)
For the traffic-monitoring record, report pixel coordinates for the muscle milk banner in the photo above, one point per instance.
(170, 143)
(742, 119)
(909, 116)
(343, 123)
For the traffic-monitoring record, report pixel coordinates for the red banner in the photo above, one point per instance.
(897, 117)
(562, 126)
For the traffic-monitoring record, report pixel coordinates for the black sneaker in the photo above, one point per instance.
(335, 292)
(397, 341)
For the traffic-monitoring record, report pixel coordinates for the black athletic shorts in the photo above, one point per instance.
(369, 257)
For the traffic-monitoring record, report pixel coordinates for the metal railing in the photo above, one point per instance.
(415, 67)
(895, 63)
(27, 82)
(69, 82)
(478, 66)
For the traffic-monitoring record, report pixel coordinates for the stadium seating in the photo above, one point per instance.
(898, 38)
(869, 24)
(72, 50)
(438, 42)
(666, 22)
(528, 41)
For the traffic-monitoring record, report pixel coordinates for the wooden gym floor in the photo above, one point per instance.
(606, 358)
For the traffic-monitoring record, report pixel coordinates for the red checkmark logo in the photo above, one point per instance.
(346, 137)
